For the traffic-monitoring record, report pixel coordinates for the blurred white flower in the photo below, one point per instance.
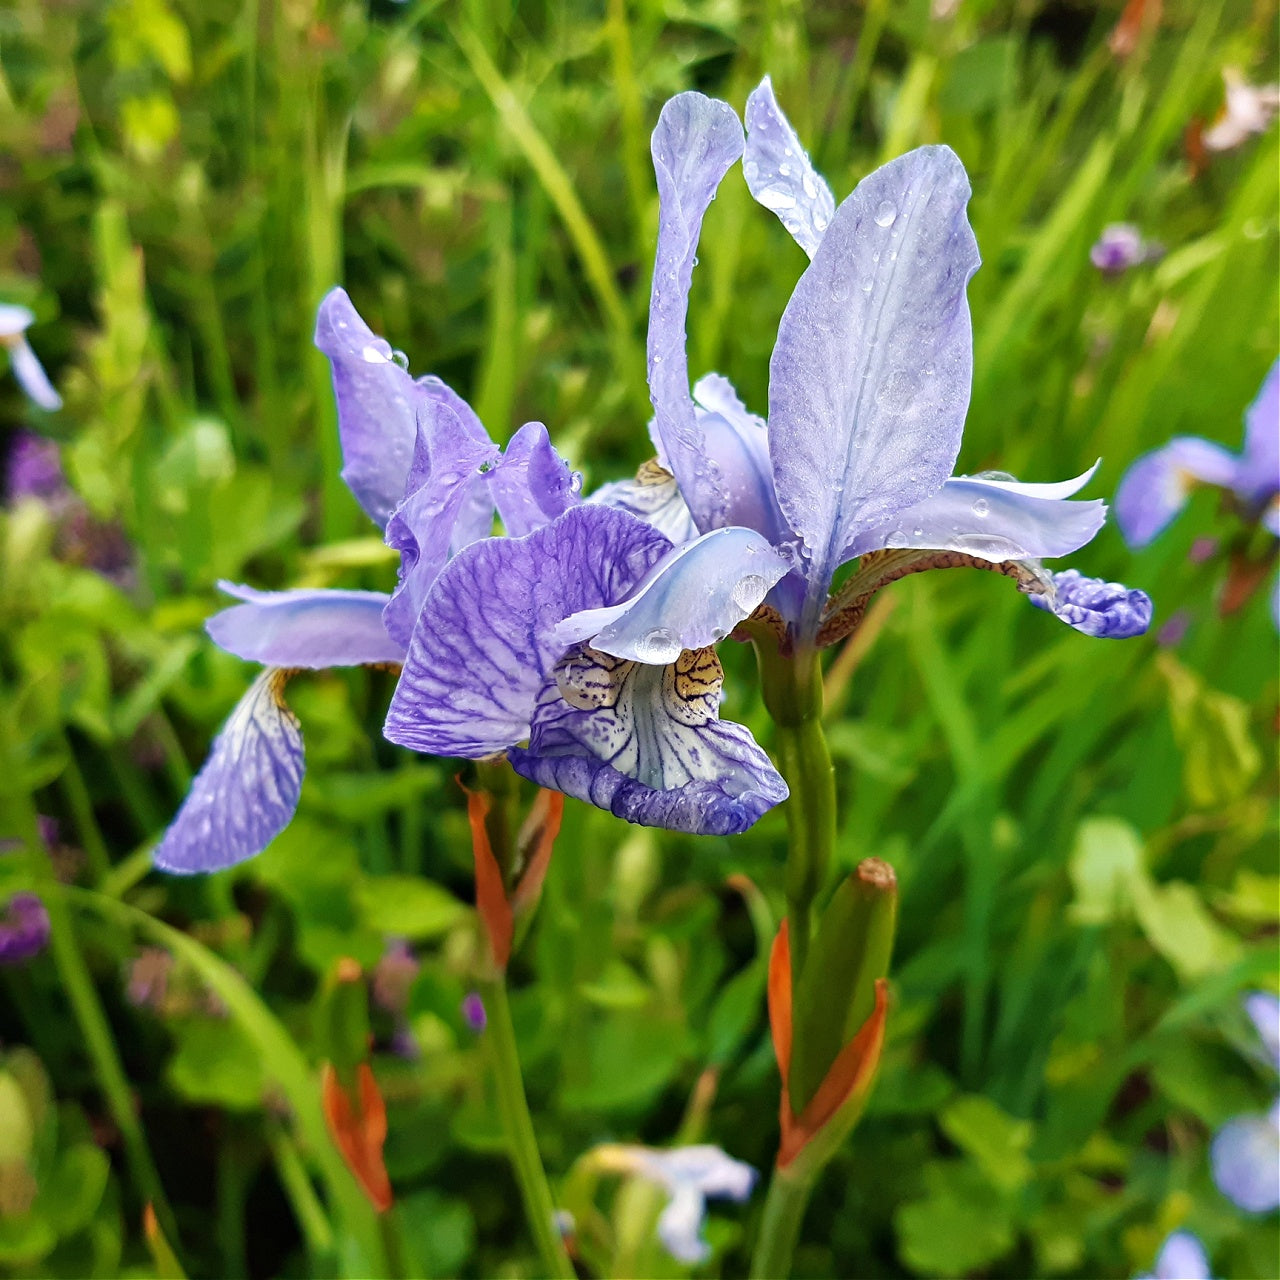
(690, 1175)
(1248, 109)
(14, 323)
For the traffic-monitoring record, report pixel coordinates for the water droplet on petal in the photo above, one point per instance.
(785, 170)
(658, 647)
(375, 355)
(749, 591)
(774, 199)
(401, 359)
(810, 186)
(886, 214)
(981, 508)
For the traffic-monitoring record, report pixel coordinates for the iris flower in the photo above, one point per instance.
(1245, 1155)
(425, 471)
(26, 366)
(1121, 246)
(869, 387)
(1157, 486)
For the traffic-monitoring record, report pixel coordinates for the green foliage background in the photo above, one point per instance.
(1084, 831)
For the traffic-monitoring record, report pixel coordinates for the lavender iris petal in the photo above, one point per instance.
(869, 379)
(1258, 474)
(990, 520)
(646, 743)
(484, 643)
(377, 406)
(693, 597)
(1156, 487)
(779, 173)
(305, 628)
(696, 140)
(441, 491)
(1107, 610)
(247, 792)
(532, 485)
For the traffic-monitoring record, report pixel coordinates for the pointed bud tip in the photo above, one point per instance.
(875, 873)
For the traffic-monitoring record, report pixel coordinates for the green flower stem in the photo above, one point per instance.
(95, 1030)
(793, 696)
(521, 1140)
(784, 1209)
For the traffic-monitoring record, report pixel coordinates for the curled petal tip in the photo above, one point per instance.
(1107, 610)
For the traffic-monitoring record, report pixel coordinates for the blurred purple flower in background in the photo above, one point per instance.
(1245, 1155)
(473, 1012)
(26, 366)
(1157, 486)
(24, 928)
(1181, 1257)
(34, 470)
(1121, 246)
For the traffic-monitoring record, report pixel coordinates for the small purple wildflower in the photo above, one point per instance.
(1120, 247)
(473, 1012)
(24, 929)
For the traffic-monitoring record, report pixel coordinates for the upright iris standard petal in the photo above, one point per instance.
(377, 406)
(779, 173)
(305, 628)
(248, 790)
(1107, 610)
(646, 743)
(442, 499)
(485, 644)
(989, 519)
(696, 140)
(532, 485)
(654, 497)
(1156, 487)
(1258, 475)
(693, 597)
(869, 379)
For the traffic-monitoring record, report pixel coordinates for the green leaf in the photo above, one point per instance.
(25, 1239)
(71, 1194)
(1219, 756)
(439, 1230)
(1106, 867)
(215, 1063)
(1179, 926)
(997, 1142)
(408, 907)
(959, 1226)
